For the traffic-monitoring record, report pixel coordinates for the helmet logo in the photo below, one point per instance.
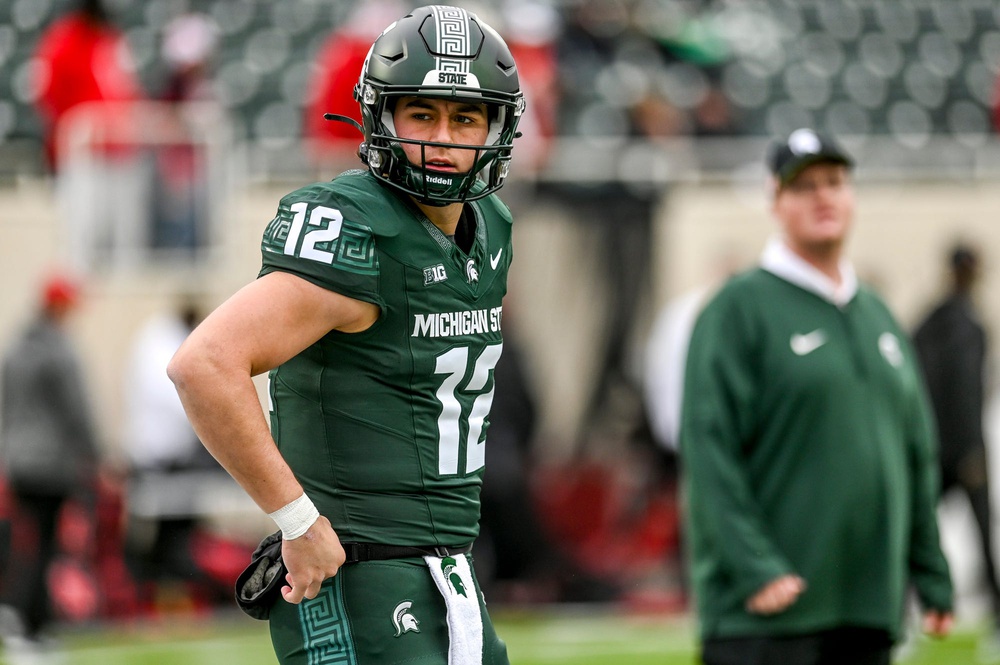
(368, 94)
(449, 77)
(435, 180)
(452, 77)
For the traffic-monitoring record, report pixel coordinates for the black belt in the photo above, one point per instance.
(357, 552)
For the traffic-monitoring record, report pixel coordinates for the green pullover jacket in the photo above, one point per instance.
(807, 448)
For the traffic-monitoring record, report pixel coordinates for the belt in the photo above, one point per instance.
(357, 552)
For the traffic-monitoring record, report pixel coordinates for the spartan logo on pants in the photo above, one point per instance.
(403, 620)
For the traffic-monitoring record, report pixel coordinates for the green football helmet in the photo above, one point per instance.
(441, 52)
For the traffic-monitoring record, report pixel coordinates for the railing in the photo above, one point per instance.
(142, 182)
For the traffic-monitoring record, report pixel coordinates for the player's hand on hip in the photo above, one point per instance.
(777, 595)
(311, 558)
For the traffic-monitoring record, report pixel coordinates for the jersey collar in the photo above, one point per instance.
(781, 261)
(446, 244)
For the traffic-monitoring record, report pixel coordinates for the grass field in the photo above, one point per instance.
(533, 638)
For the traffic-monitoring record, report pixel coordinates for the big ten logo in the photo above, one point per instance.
(435, 274)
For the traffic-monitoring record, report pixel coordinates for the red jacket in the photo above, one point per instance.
(332, 91)
(80, 61)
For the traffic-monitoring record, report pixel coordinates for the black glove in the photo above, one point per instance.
(259, 585)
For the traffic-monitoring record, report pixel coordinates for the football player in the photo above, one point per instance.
(378, 315)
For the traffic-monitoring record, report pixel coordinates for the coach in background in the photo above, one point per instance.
(952, 347)
(808, 446)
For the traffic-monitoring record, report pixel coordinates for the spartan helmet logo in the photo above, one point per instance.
(403, 620)
(471, 272)
(448, 568)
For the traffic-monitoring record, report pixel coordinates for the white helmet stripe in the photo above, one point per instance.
(453, 37)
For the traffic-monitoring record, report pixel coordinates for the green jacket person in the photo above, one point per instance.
(377, 314)
(807, 446)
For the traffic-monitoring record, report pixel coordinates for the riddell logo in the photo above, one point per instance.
(435, 180)
(452, 78)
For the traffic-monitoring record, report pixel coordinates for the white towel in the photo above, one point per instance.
(453, 577)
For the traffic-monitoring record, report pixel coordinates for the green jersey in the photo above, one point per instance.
(386, 428)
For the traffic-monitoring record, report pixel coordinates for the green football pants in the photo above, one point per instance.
(376, 613)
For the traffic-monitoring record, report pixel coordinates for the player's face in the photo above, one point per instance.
(816, 208)
(442, 121)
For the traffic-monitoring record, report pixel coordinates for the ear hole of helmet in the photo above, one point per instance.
(388, 104)
(497, 115)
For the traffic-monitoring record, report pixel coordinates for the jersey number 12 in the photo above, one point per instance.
(454, 363)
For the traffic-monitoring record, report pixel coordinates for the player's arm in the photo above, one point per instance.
(263, 325)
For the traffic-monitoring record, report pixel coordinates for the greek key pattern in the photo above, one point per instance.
(356, 251)
(277, 230)
(452, 26)
(326, 633)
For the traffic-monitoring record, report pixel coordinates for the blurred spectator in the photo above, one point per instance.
(48, 443)
(714, 115)
(82, 57)
(157, 432)
(336, 71)
(666, 350)
(996, 105)
(531, 29)
(952, 346)
(162, 449)
(190, 43)
(610, 110)
(85, 80)
(180, 186)
(665, 356)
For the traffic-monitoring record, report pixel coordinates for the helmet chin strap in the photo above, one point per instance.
(434, 203)
(343, 118)
(363, 148)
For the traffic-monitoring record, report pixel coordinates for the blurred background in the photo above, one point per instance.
(147, 177)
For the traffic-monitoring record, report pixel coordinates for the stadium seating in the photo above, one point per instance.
(909, 70)
(905, 70)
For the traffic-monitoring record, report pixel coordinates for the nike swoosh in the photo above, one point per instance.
(805, 344)
(495, 260)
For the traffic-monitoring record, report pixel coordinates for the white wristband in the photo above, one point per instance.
(295, 518)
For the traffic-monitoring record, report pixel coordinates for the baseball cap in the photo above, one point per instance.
(802, 148)
(60, 291)
(963, 257)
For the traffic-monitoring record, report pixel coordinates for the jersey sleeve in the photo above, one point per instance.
(312, 238)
